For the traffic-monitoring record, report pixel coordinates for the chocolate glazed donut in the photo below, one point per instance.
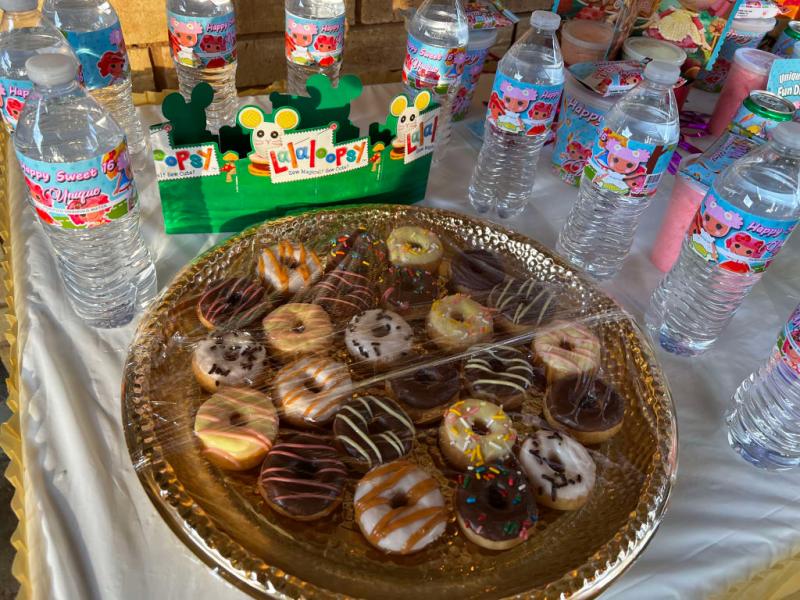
(588, 409)
(494, 506)
(426, 391)
(302, 478)
(476, 271)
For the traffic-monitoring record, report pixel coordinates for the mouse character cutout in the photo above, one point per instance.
(409, 123)
(266, 137)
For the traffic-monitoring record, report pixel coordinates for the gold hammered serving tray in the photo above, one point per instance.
(222, 518)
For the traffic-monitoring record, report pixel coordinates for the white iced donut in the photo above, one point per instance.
(399, 508)
(560, 470)
(229, 359)
(378, 337)
(311, 390)
(289, 268)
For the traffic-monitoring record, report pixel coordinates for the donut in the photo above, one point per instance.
(373, 430)
(378, 338)
(475, 432)
(311, 390)
(494, 506)
(523, 306)
(409, 292)
(302, 478)
(475, 271)
(296, 329)
(237, 428)
(499, 373)
(232, 304)
(426, 390)
(343, 293)
(588, 409)
(399, 508)
(457, 322)
(567, 350)
(359, 251)
(229, 359)
(414, 247)
(288, 268)
(561, 471)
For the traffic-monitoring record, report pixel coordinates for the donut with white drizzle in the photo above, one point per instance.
(499, 373)
(523, 306)
(373, 430)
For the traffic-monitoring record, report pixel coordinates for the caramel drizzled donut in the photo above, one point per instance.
(311, 390)
(296, 329)
(289, 268)
(232, 304)
(302, 478)
(399, 508)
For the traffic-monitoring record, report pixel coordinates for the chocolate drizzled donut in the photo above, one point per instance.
(373, 430)
(232, 304)
(302, 478)
(476, 271)
(344, 293)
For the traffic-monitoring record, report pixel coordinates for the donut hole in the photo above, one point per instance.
(554, 461)
(426, 376)
(305, 470)
(290, 262)
(416, 247)
(298, 327)
(457, 315)
(236, 419)
(480, 428)
(376, 426)
(495, 499)
(399, 500)
(312, 385)
(566, 345)
(234, 298)
(380, 331)
(496, 365)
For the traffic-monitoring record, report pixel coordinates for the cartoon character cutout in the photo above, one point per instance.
(299, 37)
(113, 64)
(541, 116)
(624, 171)
(213, 45)
(712, 224)
(326, 48)
(515, 103)
(183, 38)
(266, 136)
(409, 121)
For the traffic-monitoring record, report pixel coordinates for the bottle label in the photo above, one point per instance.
(473, 67)
(522, 108)
(736, 240)
(625, 166)
(13, 94)
(202, 42)
(312, 42)
(81, 194)
(431, 67)
(789, 342)
(102, 54)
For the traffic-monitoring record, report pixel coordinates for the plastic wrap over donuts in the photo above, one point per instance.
(397, 388)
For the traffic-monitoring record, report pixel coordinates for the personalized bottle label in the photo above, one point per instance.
(13, 94)
(204, 42)
(789, 341)
(82, 194)
(102, 54)
(625, 166)
(522, 108)
(314, 41)
(736, 240)
(430, 67)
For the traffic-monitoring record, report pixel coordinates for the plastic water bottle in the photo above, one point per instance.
(634, 146)
(202, 38)
(527, 88)
(23, 33)
(314, 41)
(743, 222)
(76, 167)
(764, 423)
(436, 54)
(92, 29)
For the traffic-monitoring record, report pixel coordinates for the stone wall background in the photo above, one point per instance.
(375, 45)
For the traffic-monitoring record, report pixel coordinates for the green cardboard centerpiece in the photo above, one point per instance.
(305, 154)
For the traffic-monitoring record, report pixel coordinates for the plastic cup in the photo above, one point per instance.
(480, 41)
(585, 41)
(749, 71)
(643, 48)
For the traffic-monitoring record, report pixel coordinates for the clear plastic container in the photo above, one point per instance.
(647, 49)
(585, 41)
(23, 33)
(524, 100)
(314, 41)
(76, 166)
(92, 29)
(632, 152)
(202, 38)
(742, 224)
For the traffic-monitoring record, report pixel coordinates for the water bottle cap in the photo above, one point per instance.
(544, 19)
(787, 134)
(19, 5)
(662, 72)
(49, 70)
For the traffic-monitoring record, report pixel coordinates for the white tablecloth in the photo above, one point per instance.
(93, 533)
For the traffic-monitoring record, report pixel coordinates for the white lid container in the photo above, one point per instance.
(643, 48)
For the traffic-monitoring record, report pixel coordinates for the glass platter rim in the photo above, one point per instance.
(249, 573)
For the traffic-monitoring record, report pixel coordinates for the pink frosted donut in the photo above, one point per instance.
(567, 350)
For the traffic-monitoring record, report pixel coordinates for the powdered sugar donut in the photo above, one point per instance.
(378, 337)
(399, 508)
(560, 470)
